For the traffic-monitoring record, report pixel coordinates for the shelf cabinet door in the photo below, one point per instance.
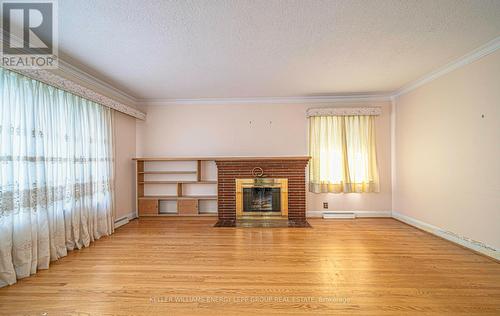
(187, 207)
(148, 207)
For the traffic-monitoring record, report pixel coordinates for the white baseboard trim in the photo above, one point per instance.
(451, 236)
(373, 213)
(124, 219)
(312, 214)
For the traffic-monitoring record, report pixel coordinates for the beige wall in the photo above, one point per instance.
(256, 130)
(125, 146)
(448, 156)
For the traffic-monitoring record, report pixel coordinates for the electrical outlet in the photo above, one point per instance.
(325, 205)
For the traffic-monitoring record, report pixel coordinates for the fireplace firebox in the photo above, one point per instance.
(261, 200)
(261, 197)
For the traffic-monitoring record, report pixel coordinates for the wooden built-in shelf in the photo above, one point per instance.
(167, 172)
(186, 215)
(186, 204)
(175, 182)
(175, 197)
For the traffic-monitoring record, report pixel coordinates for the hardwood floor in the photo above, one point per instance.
(187, 267)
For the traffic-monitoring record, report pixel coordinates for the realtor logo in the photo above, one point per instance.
(29, 35)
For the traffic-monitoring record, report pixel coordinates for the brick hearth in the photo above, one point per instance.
(291, 168)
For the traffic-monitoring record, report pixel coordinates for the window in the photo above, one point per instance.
(56, 168)
(343, 154)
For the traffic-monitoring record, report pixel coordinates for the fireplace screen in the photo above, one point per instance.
(261, 199)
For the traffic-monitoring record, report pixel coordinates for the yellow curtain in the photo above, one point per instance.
(343, 152)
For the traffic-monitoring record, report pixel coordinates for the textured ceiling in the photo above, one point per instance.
(266, 48)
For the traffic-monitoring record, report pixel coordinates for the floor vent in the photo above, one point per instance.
(338, 215)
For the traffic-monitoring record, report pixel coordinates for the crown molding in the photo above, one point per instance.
(73, 72)
(95, 89)
(471, 57)
(65, 76)
(271, 100)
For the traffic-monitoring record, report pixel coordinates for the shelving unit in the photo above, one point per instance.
(181, 182)
(170, 186)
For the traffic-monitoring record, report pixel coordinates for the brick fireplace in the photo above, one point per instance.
(292, 169)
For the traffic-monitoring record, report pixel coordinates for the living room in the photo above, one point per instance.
(250, 157)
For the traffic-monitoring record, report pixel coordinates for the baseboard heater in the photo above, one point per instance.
(338, 215)
(121, 221)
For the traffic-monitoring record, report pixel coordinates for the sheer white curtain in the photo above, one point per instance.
(56, 174)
